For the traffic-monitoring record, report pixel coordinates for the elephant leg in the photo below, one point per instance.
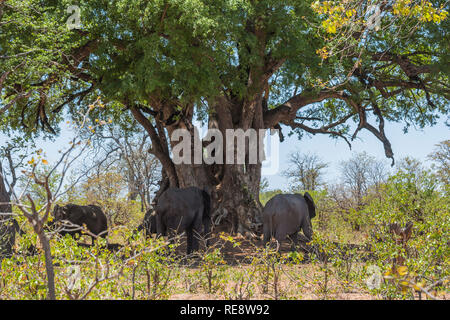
(206, 231)
(189, 240)
(194, 241)
(267, 234)
(197, 232)
(294, 239)
(307, 229)
(280, 234)
(160, 227)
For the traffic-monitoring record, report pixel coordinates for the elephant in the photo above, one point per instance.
(91, 215)
(148, 224)
(188, 210)
(285, 215)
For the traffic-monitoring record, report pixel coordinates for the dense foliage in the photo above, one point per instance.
(374, 262)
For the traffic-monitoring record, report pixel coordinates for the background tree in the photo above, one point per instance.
(7, 228)
(413, 168)
(140, 168)
(441, 158)
(305, 171)
(12, 157)
(359, 174)
(419, 182)
(269, 194)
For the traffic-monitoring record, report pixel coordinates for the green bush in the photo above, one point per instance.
(423, 260)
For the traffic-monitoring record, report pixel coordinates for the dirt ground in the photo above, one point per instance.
(240, 256)
(243, 250)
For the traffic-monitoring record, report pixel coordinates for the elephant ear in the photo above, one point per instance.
(311, 205)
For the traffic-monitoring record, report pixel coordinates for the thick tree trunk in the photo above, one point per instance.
(8, 224)
(234, 188)
(238, 208)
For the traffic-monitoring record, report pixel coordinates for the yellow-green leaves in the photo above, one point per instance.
(350, 14)
(422, 10)
(402, 270)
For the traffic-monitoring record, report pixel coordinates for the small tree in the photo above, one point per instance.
(306, 171)
(132, 151)
(441, 159)
(43, 182)
(411, 166)
(360, 173)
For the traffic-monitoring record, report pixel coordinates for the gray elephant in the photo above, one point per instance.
(148, 224)
(180, 210)
(91, 215)
(285, 215)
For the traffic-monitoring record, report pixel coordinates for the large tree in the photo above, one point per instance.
(310, 68)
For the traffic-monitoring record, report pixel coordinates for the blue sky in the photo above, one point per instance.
(415, 143)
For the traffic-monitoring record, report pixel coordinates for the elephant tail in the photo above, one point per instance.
(311, 205)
